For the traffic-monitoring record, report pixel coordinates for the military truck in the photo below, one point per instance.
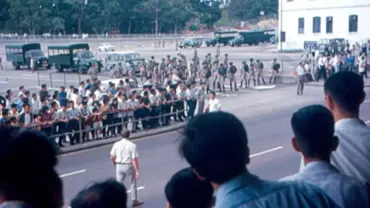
(253, 37)
(221, 37)
(75, 57)
(27, 55)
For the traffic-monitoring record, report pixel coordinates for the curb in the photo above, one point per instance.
(113, 140)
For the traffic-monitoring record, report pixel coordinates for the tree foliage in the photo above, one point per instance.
(250, 9)
(101, 16)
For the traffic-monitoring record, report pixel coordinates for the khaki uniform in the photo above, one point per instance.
(252, 73)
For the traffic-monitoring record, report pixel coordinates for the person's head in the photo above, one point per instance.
(14, 107)
(313, 128)
(185, 190)
(71, 104)
(125, 134)
(212, 95)
(26, 108)
(109, 193)
(34, 96)
(43, 87)
(82, 83)
(42, 186)
(216, 146)
(344, 93)
(21, 88)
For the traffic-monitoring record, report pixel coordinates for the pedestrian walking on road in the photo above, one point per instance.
(124, 156)
(300, 78)
(1, 64)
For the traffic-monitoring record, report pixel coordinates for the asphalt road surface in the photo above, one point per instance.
(12, 79)
(266, 115)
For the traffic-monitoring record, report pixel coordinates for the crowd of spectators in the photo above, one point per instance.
(333, 142)
(93, 111)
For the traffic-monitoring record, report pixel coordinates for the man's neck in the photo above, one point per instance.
(308, 160)
(339, 115)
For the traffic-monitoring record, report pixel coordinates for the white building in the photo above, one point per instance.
(312, 20)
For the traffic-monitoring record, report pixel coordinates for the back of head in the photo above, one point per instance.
(185, 190)
(346, 89)
(313, 128)
(216, 146)
(109, 193)
(28, 171)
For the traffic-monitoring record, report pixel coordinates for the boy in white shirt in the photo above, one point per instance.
(214, 104)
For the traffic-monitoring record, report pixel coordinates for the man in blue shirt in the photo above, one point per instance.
(62, 96)
(313, 128)
(216, 147)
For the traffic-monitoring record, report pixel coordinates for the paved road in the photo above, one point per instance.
(11, 78)
(266, 116)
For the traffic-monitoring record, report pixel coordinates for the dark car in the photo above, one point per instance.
(29, 55)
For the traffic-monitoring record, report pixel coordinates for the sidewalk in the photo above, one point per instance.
(138, 135)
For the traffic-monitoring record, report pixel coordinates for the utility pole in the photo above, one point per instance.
(156, 17)
(81, 14)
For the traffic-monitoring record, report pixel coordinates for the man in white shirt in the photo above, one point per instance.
(352, 157)
(214, 104)
(300, 78)
(322, 62)
(81, 89)
(362, 65)
(124, 157)
(313, 128)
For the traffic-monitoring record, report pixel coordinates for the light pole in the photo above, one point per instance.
(156, 17)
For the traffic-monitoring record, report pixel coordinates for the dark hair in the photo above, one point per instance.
(185, 190)
(109, 193)
(35, 152)
(213, 93)
(346, 89)
(216, 146)
(313, 128)
(125, 133)
(13, 105)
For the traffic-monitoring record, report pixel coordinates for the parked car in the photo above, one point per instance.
(75, 57)
(106, 47)
(29, 55)
(191, 42)
(124, 57)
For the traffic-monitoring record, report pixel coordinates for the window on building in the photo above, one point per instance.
(316, 25)
(300, 25)
(353, 23)
(329, 24)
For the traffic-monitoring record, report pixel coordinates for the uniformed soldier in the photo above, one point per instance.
(191, 100)
(162, 71)
(215, 74)
(132, 71)
(218, 51)
(244, 73)
(275, 71)
(259, 68)
(221, 71)
(120, 70)
(207, 73)
(252, 72)
(226, 60)
(216, 61)
(93, 72)
(124, 157)
(232, 72)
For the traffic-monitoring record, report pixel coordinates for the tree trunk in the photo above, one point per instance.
(129, 27)
(80, 15)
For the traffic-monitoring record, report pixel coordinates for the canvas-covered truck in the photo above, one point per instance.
(75, 57)
(27, 55)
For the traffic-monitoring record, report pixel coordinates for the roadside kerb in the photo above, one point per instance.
(103, 142)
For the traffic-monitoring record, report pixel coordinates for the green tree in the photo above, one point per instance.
(250, 9)
(208, 11)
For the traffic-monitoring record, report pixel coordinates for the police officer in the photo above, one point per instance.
(93, 72)
(244, 73)
(252, 72)
(206, 75)
(232, 72)
(201, 97)
(221, 71)
(275, 71)
(259, 67)
(73, 124)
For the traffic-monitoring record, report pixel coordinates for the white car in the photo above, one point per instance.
(106, 47)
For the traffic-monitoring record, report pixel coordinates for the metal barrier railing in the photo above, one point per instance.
(124, 123)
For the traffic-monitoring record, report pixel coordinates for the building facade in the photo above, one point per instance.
(312, 20)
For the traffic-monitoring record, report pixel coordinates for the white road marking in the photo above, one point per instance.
(4, 82)
(266, 151)
(367, 122)
(72, 173)
(138, 188)
(366, 101)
